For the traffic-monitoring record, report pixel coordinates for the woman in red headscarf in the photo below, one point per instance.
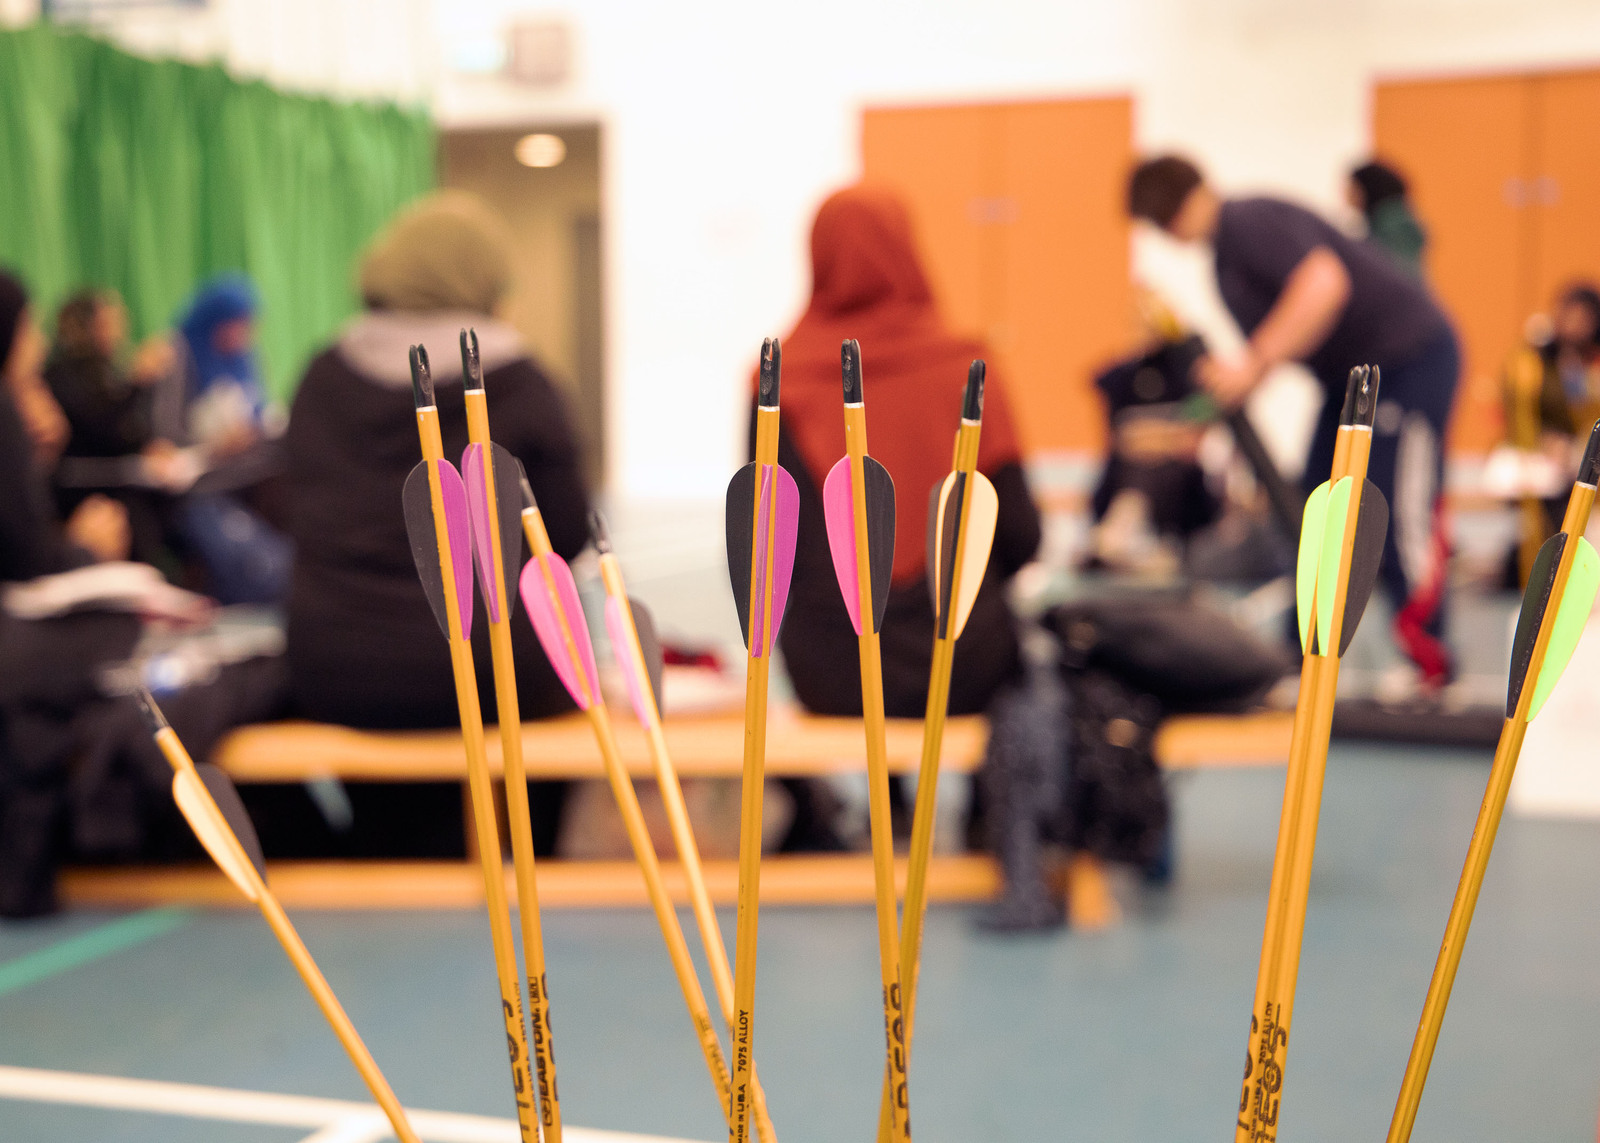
(868, 283)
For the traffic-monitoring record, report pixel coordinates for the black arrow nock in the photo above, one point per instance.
(1360, 398)
(771, 373)
(972, 405)
(471, 366)
(421, 378)
(850, 367)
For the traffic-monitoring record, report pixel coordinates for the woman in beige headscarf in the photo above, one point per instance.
(363, 648)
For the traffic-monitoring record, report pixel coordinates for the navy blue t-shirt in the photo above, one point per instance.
(1388, 320)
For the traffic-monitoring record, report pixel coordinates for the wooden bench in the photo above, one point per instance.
(702, 746)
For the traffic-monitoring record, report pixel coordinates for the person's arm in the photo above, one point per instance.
(1314, 296)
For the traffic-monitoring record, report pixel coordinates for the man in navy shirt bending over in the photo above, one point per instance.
(1303, 291)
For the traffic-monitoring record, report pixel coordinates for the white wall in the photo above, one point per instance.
(728, 121)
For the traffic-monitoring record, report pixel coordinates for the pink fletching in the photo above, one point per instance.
(477, 485)
(454, 497)
(633, 671)
(838, 510)
(777, 480)
(547, 601)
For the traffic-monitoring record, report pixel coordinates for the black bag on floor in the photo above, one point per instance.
(1191, 658)
(1115, 802)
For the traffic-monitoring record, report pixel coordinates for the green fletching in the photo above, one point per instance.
(1305, 576)
(1330, 561)
(1571, 618)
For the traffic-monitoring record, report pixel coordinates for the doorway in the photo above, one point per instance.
(553, 208)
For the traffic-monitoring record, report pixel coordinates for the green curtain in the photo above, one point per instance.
(151, 176)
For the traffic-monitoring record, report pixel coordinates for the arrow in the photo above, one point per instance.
(638, 654)
(1341, 543)
(494, 503)
(858, 506)
(210, 803)
(763, 518)
(437, 520)
(551, 600)
(962, 512)
(1555, 606)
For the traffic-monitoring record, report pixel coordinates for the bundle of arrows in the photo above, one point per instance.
(1341, 544)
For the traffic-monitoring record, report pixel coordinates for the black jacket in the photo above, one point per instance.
(363, 646)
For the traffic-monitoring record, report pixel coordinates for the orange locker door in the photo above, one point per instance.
(1019, 210)
(1566, 186)
(1466, 147)
(1067, 300)
(943, 160)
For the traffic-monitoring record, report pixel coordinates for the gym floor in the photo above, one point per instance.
(1133, 1034)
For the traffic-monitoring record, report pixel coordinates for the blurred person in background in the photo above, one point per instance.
(79, 773)
(33, 432)
(363, 646)
(1380, 193)
(224, 401)
(868, 283)
(225, 417)
(1303, 291)
(109, 401)
(1551, 390)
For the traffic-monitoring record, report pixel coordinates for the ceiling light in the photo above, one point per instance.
(541, 150)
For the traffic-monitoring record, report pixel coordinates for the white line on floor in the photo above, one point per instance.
(337, 1120)
(356, 1129)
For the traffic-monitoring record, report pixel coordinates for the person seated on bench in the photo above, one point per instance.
(79, 774)
(868, 283)
(363, 647)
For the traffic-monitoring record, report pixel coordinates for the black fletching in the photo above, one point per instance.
(1366, 554)
(850, 370)
(650, 647)
(226, 795)
(417, 501)
(508, 510)
(740, 514)
(879, 488)
(1536, 597)
(771, 373)
(421, 377)
(972, 403)
(943, 593)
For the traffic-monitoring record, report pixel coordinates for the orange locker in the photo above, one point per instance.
(1018, 207)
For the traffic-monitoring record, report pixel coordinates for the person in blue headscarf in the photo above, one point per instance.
(223, 398)
(223, 408)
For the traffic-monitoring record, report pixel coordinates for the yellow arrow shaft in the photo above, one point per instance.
(914, 911)
(753, 782)
(632, 659)
(518, 813)
(481, 792)
(879, 818)
(299, 956)
(1287, 898)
